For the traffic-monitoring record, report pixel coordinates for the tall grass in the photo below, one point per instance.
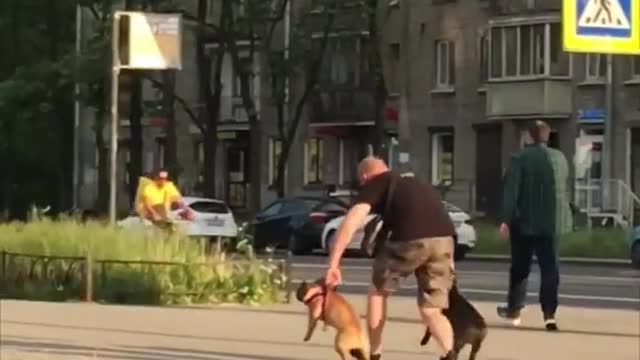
(196, 276)
(606, 243)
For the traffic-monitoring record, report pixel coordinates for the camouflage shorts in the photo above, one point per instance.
(430, 259)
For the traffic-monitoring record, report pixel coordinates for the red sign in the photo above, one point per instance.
(391, 113)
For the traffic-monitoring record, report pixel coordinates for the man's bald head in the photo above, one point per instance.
(370, 167)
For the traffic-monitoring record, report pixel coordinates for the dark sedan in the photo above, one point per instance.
(299, 220)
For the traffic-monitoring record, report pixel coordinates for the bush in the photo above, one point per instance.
(606, 243)
(131, 266)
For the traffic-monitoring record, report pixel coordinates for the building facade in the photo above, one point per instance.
(463, 78)
(473, 72)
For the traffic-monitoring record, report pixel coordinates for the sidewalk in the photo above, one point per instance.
(82, 331)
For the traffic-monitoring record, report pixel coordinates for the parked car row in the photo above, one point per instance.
(305, 223)
(310, 223)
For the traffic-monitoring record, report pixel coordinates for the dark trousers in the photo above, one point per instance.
(522, 249)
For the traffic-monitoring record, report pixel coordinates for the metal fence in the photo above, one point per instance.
(607, 198)
(86, 279)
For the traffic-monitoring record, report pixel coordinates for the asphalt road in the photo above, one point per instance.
(580, 285)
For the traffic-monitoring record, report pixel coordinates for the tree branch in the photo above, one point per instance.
(183, 103)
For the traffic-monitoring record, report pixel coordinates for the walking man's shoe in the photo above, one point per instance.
(375, 357)
(509, 314)
(550, 324)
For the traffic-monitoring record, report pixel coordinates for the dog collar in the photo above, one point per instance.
(313, 297)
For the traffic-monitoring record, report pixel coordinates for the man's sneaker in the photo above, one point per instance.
(509, 314)
(550, 324)
(375, 357)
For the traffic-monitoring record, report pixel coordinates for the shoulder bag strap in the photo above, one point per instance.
(392, 188)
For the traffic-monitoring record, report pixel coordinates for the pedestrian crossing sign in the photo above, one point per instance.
(601, 26)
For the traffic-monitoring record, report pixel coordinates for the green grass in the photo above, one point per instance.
(595, 243)
(200, 278)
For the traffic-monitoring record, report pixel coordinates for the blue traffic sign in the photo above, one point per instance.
(604, 18)
(601, 26)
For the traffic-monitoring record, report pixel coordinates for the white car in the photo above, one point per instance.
(211, 218)
(465, 231)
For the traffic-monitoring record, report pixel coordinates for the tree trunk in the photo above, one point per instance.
(255, 126)
(168, 106)
(312, 75)
(375, 67)
(102, 201)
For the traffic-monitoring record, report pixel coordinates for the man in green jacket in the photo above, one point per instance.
(533, 215)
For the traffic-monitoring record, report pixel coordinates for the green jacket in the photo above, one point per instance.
(564, 218)
(529, 198)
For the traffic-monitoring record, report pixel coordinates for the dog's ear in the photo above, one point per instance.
(302, 291)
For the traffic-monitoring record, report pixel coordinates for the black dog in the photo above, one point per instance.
(468, 325)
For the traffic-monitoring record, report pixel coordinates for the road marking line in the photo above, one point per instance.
(484, 272)
(502, 292)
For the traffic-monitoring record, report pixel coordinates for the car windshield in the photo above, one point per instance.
(209, 207)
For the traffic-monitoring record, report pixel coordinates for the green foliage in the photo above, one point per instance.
(132, 266)
(595, 243)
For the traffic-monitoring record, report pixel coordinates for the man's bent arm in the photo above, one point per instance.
(352, 221)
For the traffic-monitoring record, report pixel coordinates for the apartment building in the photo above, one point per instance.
(473, 72)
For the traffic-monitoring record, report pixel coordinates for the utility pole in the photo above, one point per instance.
(607, 145)
(76, 114)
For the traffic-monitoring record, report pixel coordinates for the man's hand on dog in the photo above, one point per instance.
(333, 277)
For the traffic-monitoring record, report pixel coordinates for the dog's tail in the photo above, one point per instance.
(358, 354)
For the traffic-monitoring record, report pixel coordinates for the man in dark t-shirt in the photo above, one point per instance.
(421, 243)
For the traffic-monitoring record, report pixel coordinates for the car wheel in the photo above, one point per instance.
(331, 238)
(298, 246)
(460, 252)
(635, 255)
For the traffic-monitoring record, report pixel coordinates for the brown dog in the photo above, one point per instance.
(335, 311)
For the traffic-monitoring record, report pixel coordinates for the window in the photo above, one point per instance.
(236, 165)
(395, 79)
(160, 152)
(245, 63)
(521, 51)
(209, 207)
(342, 60)
(560, 62)
(595, 66)
(635, 67)
(394, 49)
(484, 58)
(199, 155)
(275, 152)
(442, 158)
(313, 151)
(445, 65)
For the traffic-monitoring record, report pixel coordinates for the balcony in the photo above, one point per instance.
(342, 106)
(544, 97)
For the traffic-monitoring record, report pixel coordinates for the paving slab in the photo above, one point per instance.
(56, 331)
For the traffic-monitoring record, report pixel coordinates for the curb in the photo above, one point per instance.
(566, 260)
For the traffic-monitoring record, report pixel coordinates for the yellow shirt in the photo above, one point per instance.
(165, 195)
(139, 199)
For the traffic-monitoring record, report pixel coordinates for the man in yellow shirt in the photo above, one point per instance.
(157, 197)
